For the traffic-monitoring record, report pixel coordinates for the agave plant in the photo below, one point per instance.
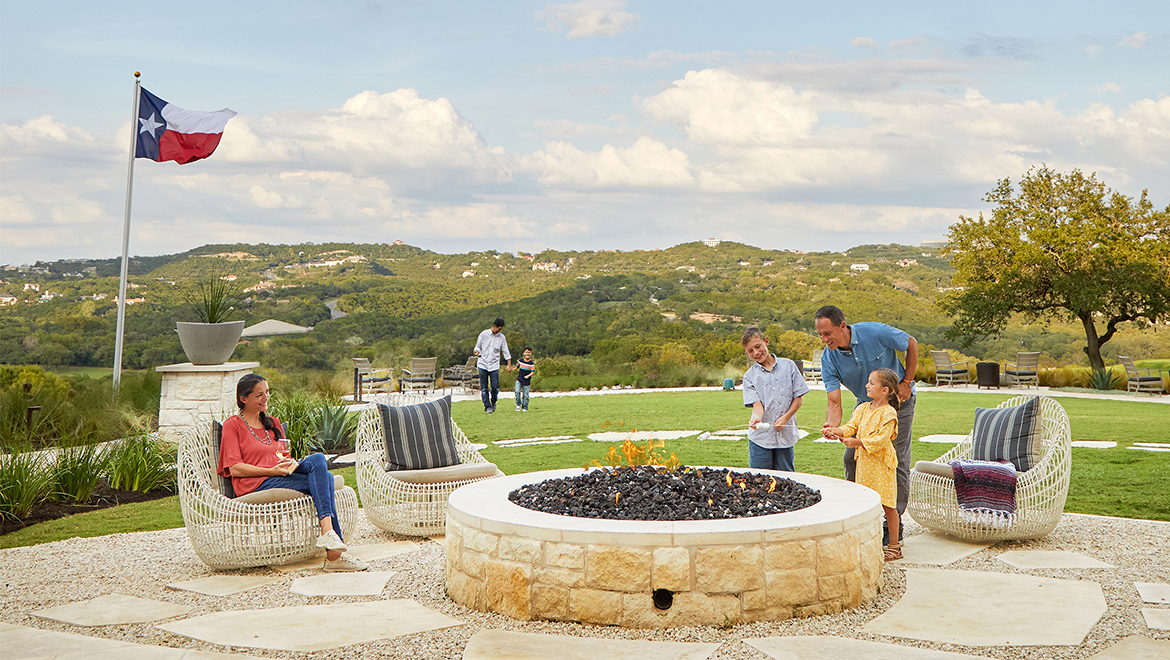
(213, 299)
(335, 428)
(1103, 379)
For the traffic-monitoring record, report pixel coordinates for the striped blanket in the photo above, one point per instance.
(986, 491)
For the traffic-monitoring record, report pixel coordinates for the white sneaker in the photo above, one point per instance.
(331, 541)
(518, 408)
(345, 563)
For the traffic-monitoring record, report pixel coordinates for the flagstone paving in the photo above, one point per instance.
(313, 627)
(808, 648)
(639, 436)
(1156, 619)
(361, 583)
(933, 548)
(505, 645)
(24, 643)
(1050, 559)
(379, 551)
(1136, 648)
(1154, 592)
(992, 609)
(224, 585)
(1093, 444)
(943, 438)
(112, 609)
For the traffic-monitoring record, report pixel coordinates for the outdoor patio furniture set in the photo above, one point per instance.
(1025, 371)
(369, 381)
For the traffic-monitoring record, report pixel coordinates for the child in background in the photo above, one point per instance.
(875, 425)
(772, 388)
(526, 367)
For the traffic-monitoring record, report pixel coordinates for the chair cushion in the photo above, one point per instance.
(273, 495)
(419, 437)
(460, 472)
(1147, 379)
(223, 483)
(1009, 434)
(951, 371)
(1019, 373)
(939, 469)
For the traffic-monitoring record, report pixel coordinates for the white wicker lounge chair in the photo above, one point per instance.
(276, 526)
(1040, 492)
(411, 502)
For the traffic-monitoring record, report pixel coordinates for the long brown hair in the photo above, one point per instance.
(244, 388)
(888, 379)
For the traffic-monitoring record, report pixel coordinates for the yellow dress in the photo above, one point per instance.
(877, 462)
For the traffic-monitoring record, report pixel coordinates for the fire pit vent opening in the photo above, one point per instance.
(663, 598)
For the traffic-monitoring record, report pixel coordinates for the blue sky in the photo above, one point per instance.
(577, 125)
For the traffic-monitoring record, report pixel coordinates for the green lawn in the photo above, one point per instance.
(89, 372)
(1116, 482)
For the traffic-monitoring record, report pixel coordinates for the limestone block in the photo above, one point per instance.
(789, 555)
(519, 549)
(795, 587)
(618, 569)
(771, 613)
(550, 602)
(474, 539)
(199, 386)
(558, 577)
(754, 600)
(689, 609)
(466, 591)
(831, 586)
(672, 569)
(838, 554)
(853, 588)
(872, 560)
(183, 404)
(818, 609)
(471, 563)
(507, 589)
(728, 569)
(184, 418)
(595, 606)
(564, 555)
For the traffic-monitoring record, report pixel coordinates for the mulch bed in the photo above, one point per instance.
(103, 497)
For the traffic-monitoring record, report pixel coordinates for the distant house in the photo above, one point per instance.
(768, 262)
(469, 273)
(131, 301)
(744, 262)
(7, 299)
(906, 263)
(860, 268)
(32, 287)
(711, 242)
(546, 266)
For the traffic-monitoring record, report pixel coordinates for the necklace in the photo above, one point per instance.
(265, 439)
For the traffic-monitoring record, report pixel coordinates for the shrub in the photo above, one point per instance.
(334, 428)
(1104, 379)
(140, 463)
(24, 478)
(76, 472)
(297, 409)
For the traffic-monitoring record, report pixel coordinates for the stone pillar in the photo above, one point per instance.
(192, 393)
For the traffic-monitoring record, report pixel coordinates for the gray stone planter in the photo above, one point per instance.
(209, 343)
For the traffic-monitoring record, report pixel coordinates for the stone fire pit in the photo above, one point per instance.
(531, 565)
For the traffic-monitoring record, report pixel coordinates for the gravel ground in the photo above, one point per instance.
(141, 564)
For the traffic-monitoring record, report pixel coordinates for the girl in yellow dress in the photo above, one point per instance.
(875, 425)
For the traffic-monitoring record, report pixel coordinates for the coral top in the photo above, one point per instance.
(877, 461)
(240, 444)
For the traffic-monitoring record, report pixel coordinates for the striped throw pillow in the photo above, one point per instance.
(1009, 434)
(419, 437)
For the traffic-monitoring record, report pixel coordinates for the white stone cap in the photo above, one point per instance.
(187, 367)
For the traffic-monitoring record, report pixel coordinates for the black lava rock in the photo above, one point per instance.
(646, 492)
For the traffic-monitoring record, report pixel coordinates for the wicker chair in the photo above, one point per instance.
(237, 533)
(392, 503)
(1040, 492)
(945, 370)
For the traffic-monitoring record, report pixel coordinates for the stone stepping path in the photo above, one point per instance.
(112, 609)
(548, 440)
(943, 438)
(975, 608)
(367, 553)
(1154, 592)
(24, 643)
(618, 437)
(1050, 559)
(1135, 648)
(1149, 448)
(312, 627)
(1093, 444)
(224, 585)
(805, 648)
(933, 548)
(504, 645)
(1152, 444)
(361, 583)
(1156, 619)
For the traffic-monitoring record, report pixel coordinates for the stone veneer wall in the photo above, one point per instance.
(192, 393)
(599, 583)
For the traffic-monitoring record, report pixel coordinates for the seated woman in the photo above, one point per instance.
(255, 455)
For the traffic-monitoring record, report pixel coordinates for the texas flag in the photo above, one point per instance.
(168, 132)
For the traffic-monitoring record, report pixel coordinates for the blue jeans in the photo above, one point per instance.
(311, 476)
(764, 458)
(522, 395)
(489, 395)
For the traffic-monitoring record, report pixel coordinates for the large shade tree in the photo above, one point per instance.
(1060, 246)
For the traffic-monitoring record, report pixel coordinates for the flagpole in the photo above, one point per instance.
(126, 238)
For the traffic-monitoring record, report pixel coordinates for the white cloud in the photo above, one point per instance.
(588, 18)
(1135, 41)
(646, 164)
(1107, 87)
(864, 42)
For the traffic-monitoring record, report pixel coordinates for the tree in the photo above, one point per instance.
(1062, 246)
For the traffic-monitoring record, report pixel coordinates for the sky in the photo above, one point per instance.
(600, 124)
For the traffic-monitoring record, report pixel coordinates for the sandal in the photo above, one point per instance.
(893, 553)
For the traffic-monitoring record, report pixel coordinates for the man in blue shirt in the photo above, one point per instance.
(852, 352)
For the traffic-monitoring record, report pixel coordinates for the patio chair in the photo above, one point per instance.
(1040, 491)
(411, 502)
(952, 373)
(1024, 371)
(368, 380)
(462, 375)
(1141, 380)
(421, 375)
(271, 527)
(812, 370)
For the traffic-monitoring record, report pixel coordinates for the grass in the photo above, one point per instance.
(1116, 482)
(88, 372)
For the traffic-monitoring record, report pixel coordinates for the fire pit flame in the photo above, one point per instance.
(742, 486)
(729, 480)
(773, 486)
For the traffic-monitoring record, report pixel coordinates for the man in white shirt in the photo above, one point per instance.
(488, 348)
